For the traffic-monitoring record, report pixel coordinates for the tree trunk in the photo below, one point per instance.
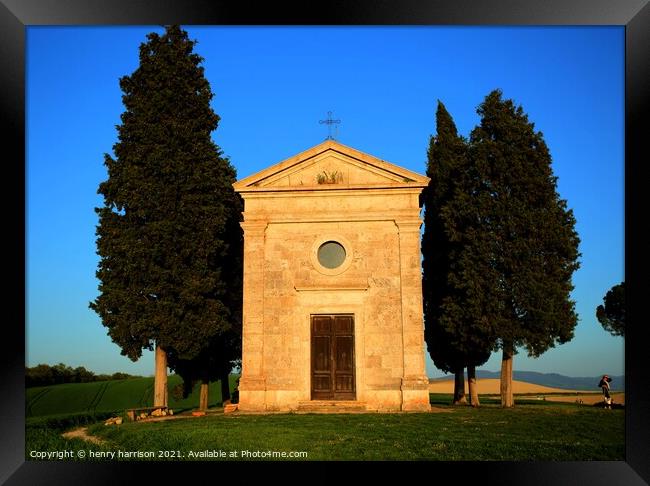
(507, 398)
(160, 378)
(459, 387)
(203, 396)
(473, 387)
(225, 388)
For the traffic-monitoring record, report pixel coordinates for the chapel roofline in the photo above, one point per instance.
(408, 177)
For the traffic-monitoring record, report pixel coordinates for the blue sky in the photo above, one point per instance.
(272, 85)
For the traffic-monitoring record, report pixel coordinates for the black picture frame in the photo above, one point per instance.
(16, 15)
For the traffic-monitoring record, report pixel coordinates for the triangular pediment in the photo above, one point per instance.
(330, 165)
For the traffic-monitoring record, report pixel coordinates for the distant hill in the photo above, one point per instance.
(553, 380)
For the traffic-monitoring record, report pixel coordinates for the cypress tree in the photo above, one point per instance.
(530, 246)
(168, 235)
(214, 363)
(455, 332)
(611, 315)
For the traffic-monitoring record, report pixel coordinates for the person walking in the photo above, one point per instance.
(604, 385)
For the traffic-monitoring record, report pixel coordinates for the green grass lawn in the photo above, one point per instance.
(529, 432)
(110, 396)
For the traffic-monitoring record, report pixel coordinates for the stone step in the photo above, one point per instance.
(331, 406)
(230, 407)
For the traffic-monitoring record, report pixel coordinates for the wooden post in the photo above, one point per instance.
(160, 378)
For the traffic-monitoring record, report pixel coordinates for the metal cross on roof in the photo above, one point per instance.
(329, 123)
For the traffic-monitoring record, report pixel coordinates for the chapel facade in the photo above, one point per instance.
(332, 284)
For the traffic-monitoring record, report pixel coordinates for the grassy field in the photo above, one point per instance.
(532, 431)
(43, 434)
(109, 396)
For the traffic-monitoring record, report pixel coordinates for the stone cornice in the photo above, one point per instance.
(340, 217)
(334, 189)
(254, 183)
(329, 288)
(408, 225)
(331, 190)
(254, 225)
(354, 281)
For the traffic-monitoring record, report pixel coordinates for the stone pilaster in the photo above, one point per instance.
(415, 384)
(252, 384)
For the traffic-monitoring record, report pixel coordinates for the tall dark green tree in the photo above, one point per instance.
(168, 235)
(611, 315)
(455, 333)
(530, 246)
(214, 363)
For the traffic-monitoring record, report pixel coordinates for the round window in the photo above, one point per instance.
(331, 254)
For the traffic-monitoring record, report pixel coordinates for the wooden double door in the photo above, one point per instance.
(332, 357)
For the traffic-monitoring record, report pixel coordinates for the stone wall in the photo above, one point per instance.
(379, 283)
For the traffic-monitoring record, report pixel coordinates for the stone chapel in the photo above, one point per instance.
(332, 285)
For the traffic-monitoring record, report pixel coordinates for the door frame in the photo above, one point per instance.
(348, 396)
